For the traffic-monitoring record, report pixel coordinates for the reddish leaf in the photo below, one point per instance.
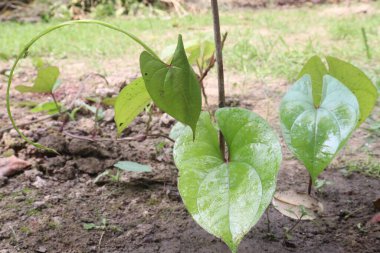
(12, 165)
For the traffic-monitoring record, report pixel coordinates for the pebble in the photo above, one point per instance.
(39, 205)
(39, 183)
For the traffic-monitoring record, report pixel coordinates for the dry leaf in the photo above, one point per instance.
(12, 165)
(297, 205)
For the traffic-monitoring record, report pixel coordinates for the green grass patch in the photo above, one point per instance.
(262, 43)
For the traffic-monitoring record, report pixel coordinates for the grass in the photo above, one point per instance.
(267, 43)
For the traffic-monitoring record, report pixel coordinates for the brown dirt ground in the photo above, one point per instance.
(144, 213)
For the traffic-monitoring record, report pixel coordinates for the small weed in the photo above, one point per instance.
(103, 225)
(370, 167)
(321, 183)
(33, 212)
(25, 230)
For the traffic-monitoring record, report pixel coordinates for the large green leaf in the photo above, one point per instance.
(46, 81)
(316, 134)
(130, 102)
(173, 87)
(359, 84)
(228, 198)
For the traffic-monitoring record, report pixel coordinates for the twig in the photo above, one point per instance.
(204, 73)
(13, 233)
(353, 212)
(95, 74)
(365, 40)
(212, 61)
(100, 241)
(30, 122)
(55, 102)
(136, 138)
(219, 60)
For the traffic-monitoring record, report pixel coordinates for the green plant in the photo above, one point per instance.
(322, 109)
(227, 196)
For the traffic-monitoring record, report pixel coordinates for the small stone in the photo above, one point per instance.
(39, 205)
(39, 183)
(41, 249)
(13, 133)
(20, 198)
(166, 120)
(109, 114)
(85, 125)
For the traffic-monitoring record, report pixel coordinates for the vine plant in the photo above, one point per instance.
(226, 191)
(322, 110)
(228, 162)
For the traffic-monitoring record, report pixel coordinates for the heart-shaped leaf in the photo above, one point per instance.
(228, 198)
(316, 134)
(130, 102)
(46, 81)
(174, 87)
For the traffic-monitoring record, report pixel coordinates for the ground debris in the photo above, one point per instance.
(10, 166)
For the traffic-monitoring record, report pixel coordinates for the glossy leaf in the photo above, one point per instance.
(316, 69)
(46, 81)
(177, 130)
(359, 84)
(227, 199)
(315, 135)
(132, 166)
(350, 76)
(130, 102)
(173, 87)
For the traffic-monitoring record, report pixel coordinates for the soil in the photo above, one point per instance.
(54, 206)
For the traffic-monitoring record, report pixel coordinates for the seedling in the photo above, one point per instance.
(288, 232)
(322, 110)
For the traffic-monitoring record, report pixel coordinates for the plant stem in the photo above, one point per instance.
(268, 220)
(219, 60)
(310, 185)
(365, 39)
(55, 102)
(24, 53)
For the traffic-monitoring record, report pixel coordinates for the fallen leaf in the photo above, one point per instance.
(12, 165)
(297, 205)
